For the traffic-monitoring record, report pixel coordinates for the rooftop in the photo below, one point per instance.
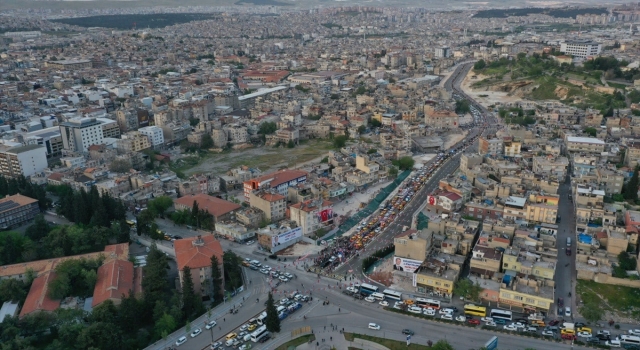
(196, 252)
(214, 205)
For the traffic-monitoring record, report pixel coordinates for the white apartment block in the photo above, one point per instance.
(156, 137)
(582, 50)
(24, 160)
(80, 133)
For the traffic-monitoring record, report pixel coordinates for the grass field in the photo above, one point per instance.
(391, 344)
(298, 341)
(617, 299)
(263, 158)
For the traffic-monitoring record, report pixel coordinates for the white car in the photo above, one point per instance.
(519, 325)
(266, 267)
(510, 327)
(447, 317)
(486, 319)
(374, 326)
(196, 332)
(415, 310)
(210, 325)
(584, 334)
(445, 311)
(490, 324)
(429, 312)
(613, 343)
(284, 301)
(461, 318)
(398, 305)
(181, 340)
(283, 279)
(245, 347)
(369, 299)
(352, 290)
(634, 331)
(244, 327)
(384, 303)
(548, 333)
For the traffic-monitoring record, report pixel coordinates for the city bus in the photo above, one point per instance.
(259, 333)
(503, 314)
(475, 310)
(367, 289)
(428, 303)
(392, 294)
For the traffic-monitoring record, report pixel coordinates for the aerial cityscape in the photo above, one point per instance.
(447, 175)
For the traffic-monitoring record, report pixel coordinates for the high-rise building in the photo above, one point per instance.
(23, 160)
(80, 133)
(154, 133)
(580, 49)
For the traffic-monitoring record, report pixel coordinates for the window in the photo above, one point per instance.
(530, 301)
(517, 297)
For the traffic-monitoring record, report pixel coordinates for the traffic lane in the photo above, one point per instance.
(564, 272)
(361, 313)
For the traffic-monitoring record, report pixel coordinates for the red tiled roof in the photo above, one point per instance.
(452, 196)
(115, 281)
(272, 197)
(38, 298)
(214, 205)
(280, 177)
(55, 176)
(197, 255)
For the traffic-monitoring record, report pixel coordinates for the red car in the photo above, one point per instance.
(474, 321)
(568, 251)
(553, 322)
(568, 336)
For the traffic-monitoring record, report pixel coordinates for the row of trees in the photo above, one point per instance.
(24, 187)
(42, 241)
(88, 208)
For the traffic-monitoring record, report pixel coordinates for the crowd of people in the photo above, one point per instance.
(330, 257)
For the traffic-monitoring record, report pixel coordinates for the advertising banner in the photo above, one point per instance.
(404, 264)
(286, 236)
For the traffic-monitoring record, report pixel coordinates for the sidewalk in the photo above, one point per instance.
(337, 341)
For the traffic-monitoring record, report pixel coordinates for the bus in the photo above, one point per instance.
(367, 289)
(428, 303)
(629, 339)
(392, 294)
(259, 333)
(503, 314)
(475, 310)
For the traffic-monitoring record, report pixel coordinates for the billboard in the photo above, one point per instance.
(404, 264)
(325, 215)
(432, 200)
(285, 237)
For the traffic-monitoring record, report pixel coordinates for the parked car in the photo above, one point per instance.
(490, 324)
(510, 327)
(447, 317)
(486, 319)
(384, 303)
(461, 318)
(500, 321)
(593, 340)
(634, 331)
(407, 331)
(584, 334)
(548, 333)
(553, 322)
(415, 310)
(429, 312)
(613, 343)
(369, 299)
(474, 321)
(374, 326)
(560, 303)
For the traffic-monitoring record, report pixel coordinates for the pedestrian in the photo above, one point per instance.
(325, 328)
(330, 338)
(224, 319)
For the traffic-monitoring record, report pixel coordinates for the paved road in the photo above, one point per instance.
(565, 277)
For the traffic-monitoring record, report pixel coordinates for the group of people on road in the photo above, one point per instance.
(342, 249)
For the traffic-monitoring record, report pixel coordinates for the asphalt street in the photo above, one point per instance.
(565, 277)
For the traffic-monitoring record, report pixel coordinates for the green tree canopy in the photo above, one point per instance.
(272, 321)
(481, 64)
(267, 128)
(340, 141)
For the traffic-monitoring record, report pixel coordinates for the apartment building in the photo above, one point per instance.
(632, 154)
(529, 295)
(610, 180)
(280, 181)
(311, 214)
(514, 208)
(580, 49)
(110, 128)
(235, 231)
(489, 146)
(438, 273)
(413, 245)
(133, 141)
(485, 261)
(155, 135)
(23, 160)
(511, 148)
(80, 133)
(585, 144)
(556, 166)
(273, 205)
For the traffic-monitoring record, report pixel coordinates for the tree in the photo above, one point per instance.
(468, 289)
(216, 279)
(120, 166)
(290, 144)
(375, 123)
(339, 141)
(442, 345)
(154, 280)
(393, 171)
(462, 107)
(207, 141)
(479, 65)
(362, 129)
(592, 313)
(591, 131)
(267, 128)
(272, 321)
(630, 190)
(166, 324)
(232, 271)
(160, 204)
(39, 229)
(405, 163)
(13, 290)
(191, 302)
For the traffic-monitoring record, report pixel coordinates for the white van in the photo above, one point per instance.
(568, 241)
(280, 308)
(247, 337)
(377, 296)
